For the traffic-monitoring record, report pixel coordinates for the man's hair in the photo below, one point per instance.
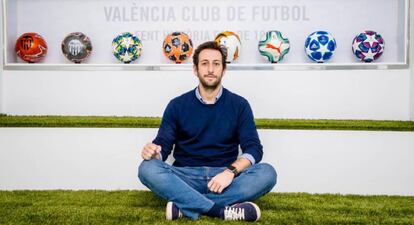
(210, 45)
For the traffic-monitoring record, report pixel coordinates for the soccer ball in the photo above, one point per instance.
(273, 46)
(76, 47)
(177, 47)
(320, 46)
(368, 46)
(231, 41)
(126, 47)
(31, 47)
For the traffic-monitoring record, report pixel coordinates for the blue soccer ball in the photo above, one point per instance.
(320, 46)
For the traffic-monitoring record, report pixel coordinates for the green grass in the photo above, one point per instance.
(154, 122)
(79, 121)
(142, 207)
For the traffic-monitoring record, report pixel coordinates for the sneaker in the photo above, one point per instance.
(247, 211)
(172, 212)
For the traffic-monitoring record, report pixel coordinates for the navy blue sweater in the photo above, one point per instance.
(208, 135)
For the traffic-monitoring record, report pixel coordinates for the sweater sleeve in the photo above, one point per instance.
(166, 136)
(247, 133)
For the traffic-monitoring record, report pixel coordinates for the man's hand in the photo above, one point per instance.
(151, 151)
(220, 181)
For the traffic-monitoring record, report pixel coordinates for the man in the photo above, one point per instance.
(206, 125)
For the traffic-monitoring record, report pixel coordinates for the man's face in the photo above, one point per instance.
(210, 68)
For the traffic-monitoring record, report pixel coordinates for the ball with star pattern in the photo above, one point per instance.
(368, 46)
(177, 47)
(273, 46)
(126, 47)
(320, 46)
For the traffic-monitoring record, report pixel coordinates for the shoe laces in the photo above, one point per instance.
(180, 214)
(233, 213)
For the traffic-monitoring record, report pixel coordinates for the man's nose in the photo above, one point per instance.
(210, 68)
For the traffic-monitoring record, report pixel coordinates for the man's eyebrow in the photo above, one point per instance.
(214, 60)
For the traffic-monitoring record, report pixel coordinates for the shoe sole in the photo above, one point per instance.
(259, 213)
(168, 211)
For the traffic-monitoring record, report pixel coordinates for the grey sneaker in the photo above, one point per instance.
(172, 212)
(247, 211)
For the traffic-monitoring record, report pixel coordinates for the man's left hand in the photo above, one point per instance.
(219, 182)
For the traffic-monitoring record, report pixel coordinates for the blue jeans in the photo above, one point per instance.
(187, 186)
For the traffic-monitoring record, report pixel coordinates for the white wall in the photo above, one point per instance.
(347, 162)
(334, 161)
(356, 94)
(411, 60)
(412, 95)
(331, 94)
(1, 60)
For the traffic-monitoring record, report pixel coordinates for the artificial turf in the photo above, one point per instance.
(143, 207)
(154, 122)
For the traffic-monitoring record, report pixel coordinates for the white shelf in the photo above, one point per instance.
(187, 67)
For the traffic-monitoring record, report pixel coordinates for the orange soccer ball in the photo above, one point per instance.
(31, 47)
(177, 47)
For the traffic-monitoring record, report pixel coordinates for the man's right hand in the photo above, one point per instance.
(151, 151)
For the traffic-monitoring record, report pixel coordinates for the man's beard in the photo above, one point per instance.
(208, 86)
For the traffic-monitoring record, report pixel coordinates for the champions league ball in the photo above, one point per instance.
(273, 46)
(127, 47)
(368, 46)
(31, 47)
(231, 41)
(320, 46)
(177, 47)
(76, 47)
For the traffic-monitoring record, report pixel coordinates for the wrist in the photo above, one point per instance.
(232, 170)
(228, 172)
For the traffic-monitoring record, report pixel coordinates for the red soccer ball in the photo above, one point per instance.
(31, 47)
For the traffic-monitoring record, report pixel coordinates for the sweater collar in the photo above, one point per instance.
(198, 95)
